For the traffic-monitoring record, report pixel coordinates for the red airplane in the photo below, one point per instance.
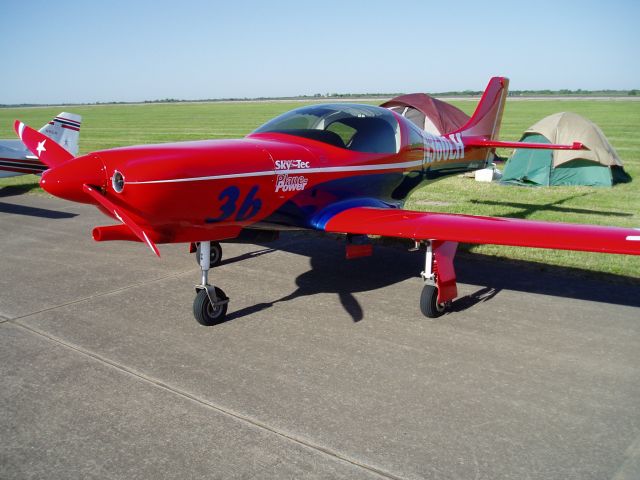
(342, 168)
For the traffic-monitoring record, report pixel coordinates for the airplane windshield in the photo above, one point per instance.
(361, 128)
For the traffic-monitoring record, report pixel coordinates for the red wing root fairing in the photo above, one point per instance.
(344, 168)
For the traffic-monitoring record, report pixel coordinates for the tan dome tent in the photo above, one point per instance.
(600, 165)
(428, 113)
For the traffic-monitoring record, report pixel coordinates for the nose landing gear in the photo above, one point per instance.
(215, 255)
(210, 304)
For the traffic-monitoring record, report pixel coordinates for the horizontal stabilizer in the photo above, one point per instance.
(485, 143)
(45, 149)
(393, 222)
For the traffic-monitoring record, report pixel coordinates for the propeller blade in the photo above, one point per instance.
(122, 216)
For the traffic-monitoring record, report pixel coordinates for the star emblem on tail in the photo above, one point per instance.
(41, 148)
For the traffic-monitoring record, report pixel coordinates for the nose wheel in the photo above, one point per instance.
(210, 304)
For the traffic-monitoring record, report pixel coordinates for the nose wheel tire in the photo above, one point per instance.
(215, 257)
(206, 312)
(429, 305)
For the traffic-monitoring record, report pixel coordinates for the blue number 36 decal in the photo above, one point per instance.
(249, 207)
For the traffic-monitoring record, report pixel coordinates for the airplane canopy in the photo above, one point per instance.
(361, 128)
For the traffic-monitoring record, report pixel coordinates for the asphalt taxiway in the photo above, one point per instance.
(324, 369)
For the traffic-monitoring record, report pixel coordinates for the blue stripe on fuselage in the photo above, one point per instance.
(314, 207)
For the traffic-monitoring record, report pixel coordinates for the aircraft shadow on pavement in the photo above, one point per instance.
(246, 256)
(15, 209)
(34, 211)
(330, 272)
(13, 190)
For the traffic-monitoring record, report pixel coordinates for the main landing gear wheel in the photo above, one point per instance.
(215, 256)
(429, 305)
(208, 313)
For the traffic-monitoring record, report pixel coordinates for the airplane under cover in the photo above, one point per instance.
(342, 168)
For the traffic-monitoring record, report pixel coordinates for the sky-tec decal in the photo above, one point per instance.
(291, 164)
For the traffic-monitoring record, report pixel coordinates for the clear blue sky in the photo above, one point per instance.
(87, 51)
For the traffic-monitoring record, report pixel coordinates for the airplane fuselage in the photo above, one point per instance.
(15, 159)
(210, 190)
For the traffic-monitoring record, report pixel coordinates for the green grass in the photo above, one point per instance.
(620, 205)
(110, 126)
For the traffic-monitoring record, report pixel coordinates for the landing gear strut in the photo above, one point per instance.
(439, 278)
(210, 304)
(215, 255)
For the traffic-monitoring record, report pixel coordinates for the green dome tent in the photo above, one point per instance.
(600, 165)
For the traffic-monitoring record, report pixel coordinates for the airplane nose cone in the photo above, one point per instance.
(66, 180)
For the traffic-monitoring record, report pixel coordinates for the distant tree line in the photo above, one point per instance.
(328, 96)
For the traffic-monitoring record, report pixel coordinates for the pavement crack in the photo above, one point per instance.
(99, 295)
(631, 466)
(255, 423)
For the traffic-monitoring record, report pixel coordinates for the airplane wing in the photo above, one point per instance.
(392, 222)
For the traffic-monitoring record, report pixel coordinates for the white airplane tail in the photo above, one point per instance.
(65, 131)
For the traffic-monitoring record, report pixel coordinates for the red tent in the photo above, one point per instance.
(428, 113)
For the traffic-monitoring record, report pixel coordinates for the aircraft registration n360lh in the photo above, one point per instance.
(341, 168)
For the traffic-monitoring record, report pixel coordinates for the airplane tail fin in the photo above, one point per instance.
(485, 121)
(483, 129)
(65, 131)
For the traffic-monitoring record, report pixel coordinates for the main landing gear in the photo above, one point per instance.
(439, 278)
(210, 304)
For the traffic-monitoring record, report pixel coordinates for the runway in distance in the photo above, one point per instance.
(342, 168)
(15, 157)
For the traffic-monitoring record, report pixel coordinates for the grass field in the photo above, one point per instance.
(109, 126)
